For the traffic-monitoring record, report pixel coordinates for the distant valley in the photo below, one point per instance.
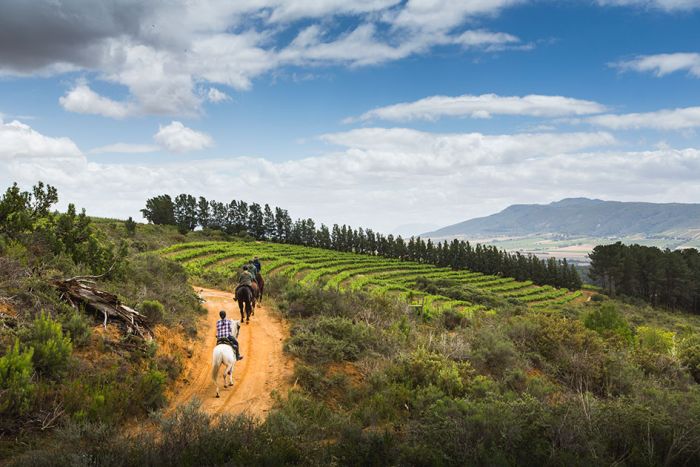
(571, 227)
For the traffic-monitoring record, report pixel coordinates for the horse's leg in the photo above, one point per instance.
(214, 373)
(230, 372)
(240, 308)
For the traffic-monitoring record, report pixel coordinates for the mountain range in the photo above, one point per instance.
(582, 217)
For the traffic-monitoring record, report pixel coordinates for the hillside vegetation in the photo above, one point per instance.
(59, 366)
(218, 261)
(396, 363)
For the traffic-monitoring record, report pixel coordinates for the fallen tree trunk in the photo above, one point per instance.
(79, 290)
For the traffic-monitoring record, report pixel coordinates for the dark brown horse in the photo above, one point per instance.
(261, 286)
(245, 296)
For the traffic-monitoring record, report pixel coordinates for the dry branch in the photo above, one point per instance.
(80, 290)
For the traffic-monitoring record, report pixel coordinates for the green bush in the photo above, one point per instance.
(423, 368)
(77, 325)
(689, 353)
(52, 350)
(608, 321)
(153, 310)
(655, 339)
(150, 390)
(16, 387)
(327, 339)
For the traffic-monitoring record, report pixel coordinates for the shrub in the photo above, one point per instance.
(130, 226)
(150, 390)
(689, 353)
(655, 339)
(492, 351)
(608, 321)
(77, 325)
(16, 388)
(52, 349)
(423, 368)
(153, 310)
(327, 339)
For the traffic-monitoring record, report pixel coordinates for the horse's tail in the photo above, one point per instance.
(215, 364)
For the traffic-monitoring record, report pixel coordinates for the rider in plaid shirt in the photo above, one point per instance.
(224, 332)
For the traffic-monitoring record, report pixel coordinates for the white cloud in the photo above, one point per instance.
(18, 140)
(668, 119)
(125, 148)
(176, 137)
(163, 53)
(377, 177)
(663, 64)
(483, 106)
(667, 5)
(214, 95)
(481, 38)
(82, 99)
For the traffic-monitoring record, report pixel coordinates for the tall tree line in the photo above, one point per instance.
(276, 225)
(661, 277)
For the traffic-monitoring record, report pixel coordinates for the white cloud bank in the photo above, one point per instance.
(666, 5)
(663, 64)
(20, 141)
(667, 119)
(164, 53)
(376, 177)
(483, 106)
(176, 137)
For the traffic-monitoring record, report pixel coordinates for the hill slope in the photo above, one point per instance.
(582, 217)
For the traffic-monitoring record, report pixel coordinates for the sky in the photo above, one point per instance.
(374, 113)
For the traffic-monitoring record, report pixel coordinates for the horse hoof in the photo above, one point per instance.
(217, 396)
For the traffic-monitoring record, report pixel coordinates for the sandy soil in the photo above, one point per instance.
(264, 369)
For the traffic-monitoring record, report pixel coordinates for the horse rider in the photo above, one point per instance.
(224, 334)
(247, 276)
(256, 262)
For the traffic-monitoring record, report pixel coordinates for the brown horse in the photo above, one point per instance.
(245, 295)
(261, 286)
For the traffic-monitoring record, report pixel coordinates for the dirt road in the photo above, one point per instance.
(264, 369)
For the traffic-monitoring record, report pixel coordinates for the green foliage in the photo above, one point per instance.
(16, 387)
(689, 354)
(160, 210)
(130, 226)
(78, 327)
(153, 310)
(608, 321)
(655, 339)
(423, 369)
(328, 339)
(52, 350)
(150, 390)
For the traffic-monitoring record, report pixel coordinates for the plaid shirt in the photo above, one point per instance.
(223, 328)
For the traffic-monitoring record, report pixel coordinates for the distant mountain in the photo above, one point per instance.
(581, 217)
(408, 230)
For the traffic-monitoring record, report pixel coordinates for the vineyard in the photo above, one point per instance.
(349, 271)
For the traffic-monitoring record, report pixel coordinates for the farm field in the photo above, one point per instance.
(350, 271)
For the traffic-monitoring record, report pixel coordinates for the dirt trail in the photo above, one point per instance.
(264, 369)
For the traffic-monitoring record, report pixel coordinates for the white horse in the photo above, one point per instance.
(223, 354)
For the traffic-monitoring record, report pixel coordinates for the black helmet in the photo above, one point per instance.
(222, 313)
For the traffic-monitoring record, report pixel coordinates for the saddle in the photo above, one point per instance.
(249, 286)
(222, 340)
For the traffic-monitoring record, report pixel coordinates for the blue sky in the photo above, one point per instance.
(329, 108)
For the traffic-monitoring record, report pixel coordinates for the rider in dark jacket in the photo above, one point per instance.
(256, 262)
